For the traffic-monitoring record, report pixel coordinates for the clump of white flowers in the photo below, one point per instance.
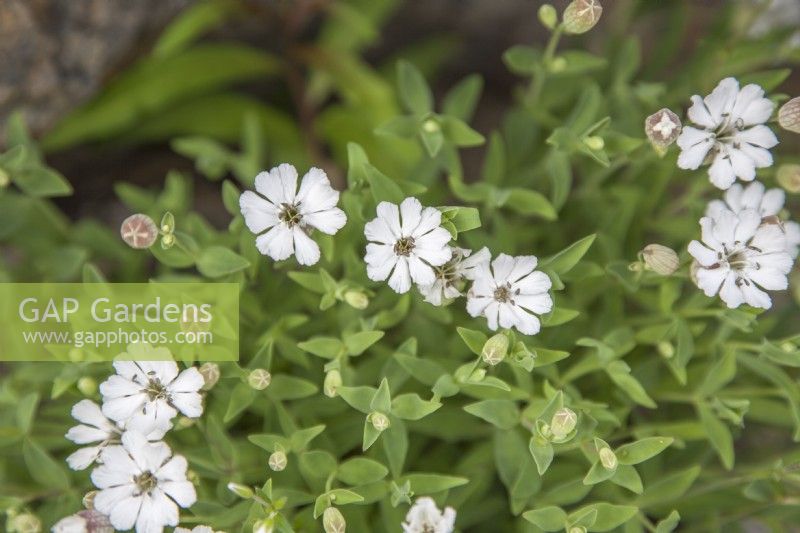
(284, 217)
(730, 133)
(141, 483)
(425, 517)
(464, 265)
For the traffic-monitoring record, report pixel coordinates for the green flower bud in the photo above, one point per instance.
(333, 380)
(333, 521)
(264, 526)
(660, 259)
(548, 16)
(167, 223)
(75, 355)
(607, 458)
(581, 16)
(495, 349)
(87, 386)
(789, 115)
(378, 420)
(138, 231)
(25, 523)
(259, 379)
(242, 491)
(431, 125)
(789, 178)
(594, 142)
(563, 424)
(478, 374)
(168, 241)
(210, 373)
(577, 529)
(665, 349)
(184, 422)
(277, 461)
(5, 179)
(356, 299)
(559, 64)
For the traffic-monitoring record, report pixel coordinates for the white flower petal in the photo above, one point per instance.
(88, 412)
(305, 249)
(258, 213)
(188, 403)
(173, 470)
(770, 279)
(755, 297)
(390, 214)
(476, 305)
(710, 279)
(772, 201)
(286, 174)
(502, 266)
(769, 238)
(156, 512)
(749, 221)
(526, 322)
(269, 185)
(692, 157)
(699, 114)
(430, 220)
(722, 98)
(84, 457)
(759, 135)
(702, 254)
(181, 491)
(537, 303)
(277, 243)
(715, 207)
(85, 434)
(328, 221)
(124, 407)
(420, 272)
(410, 215)
(316, 193)
(730, 293)
(721, 172)
(491, 313)
(400, 280)
(120, 505)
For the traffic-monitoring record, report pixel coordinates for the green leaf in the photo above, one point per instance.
(300, 439)
(327, 347)
(358, 398)
(597, 474)
(43, 468)
(669, 523)
(423, 484)
(270, 442)
(344, 496)
(642, 450)
(191, 24)
(619, 372)
(395, 446)
(527, 202)
(627, 476)
(403, 126)
(461, 100)
(523, 60)
(610, 516)
(414, 91)
(566, 259)
(382, 399)
(285, 387)
(26, 410)
(370, 435)
(542, 452)
(463, 218)
(549, 518)
(40, 181)
(317, 464)
(460, 133)
(500, 413)
(411, 407)
(669, 488)
(358, 343)
(218, 261)
(718, 434)
(473, 339)
(382, 187)
(230, 197)
(242, 397)
(360, 470)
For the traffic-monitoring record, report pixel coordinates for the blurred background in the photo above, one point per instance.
(107, 85)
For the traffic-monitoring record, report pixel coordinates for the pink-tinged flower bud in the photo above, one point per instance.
(660, 259)
(581, 16)
(277, 461)
(210, 373)
(259, 379)
(662, 129)
(139, 231)
(333, 521)
(789, 115)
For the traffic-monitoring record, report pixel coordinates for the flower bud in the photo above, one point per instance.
(379, 420)
(548, 16)
(242, 491)
(210, 373)
(577, 529)
(665, 349)
(495, 349)
(789, 115)
(93, 522)
(478, 374)
(558, 64)
(87, 385)
(88, 499)
(5, 179)
(607, 458)
(581, 16)
(693, 268)
(333, 521)
(138, 231)
(277, 461)
(660, 259)
(259, 379)
(333, 380)
(168, 241)
(563, 424)
(25, 523)
(264, 526)
(356, 299)
(184, 422)
(662, 129)
(789, 178)
(594, 142)
(431, 125)
(167, 223)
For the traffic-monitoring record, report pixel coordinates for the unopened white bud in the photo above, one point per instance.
(662, 129)
(210, 373)
(259, 379)
(789, 115)
(277, 461)
(789, 178)
(87, 385)
(581, 16)
(431, 125)
(333, 380)
(666, 349)
(168, 241)
(356, 299)
(607, 458)
(379, 420)
(563, 424)
(333, 521)
(240, 490)
(594, 142)
(138, 231)
(660, 259)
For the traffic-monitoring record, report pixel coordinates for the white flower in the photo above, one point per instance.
(740, 256)
(732, 128)
(511, 293)
(767, 203)
(290, 215)
(407, 248)
(146, 395)
(95, 427)
(141, 483)
(462, 266)
(196, 529)
(86, 521)
(425, 517)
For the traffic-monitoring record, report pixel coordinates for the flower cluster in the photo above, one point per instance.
(407, 243)
(140, 482)
(746, 247)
